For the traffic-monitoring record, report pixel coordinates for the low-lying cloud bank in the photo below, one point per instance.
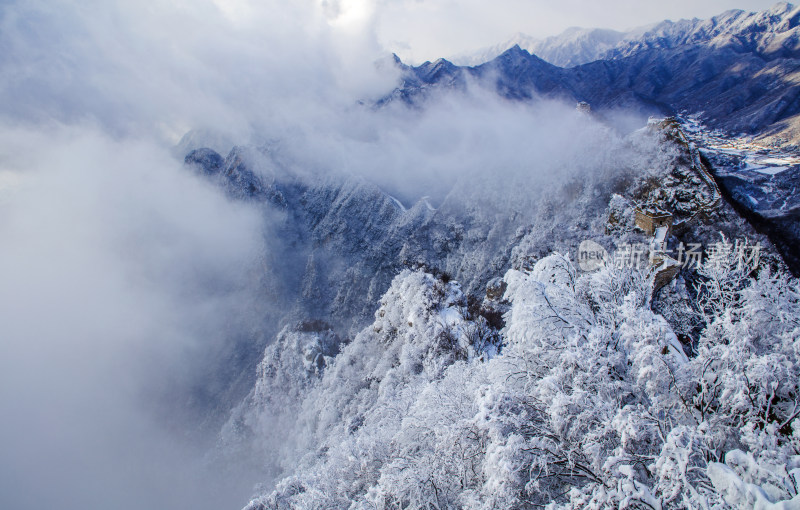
(124, 277)
(120, 271)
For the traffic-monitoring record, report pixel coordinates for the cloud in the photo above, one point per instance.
(166, 67)
(127, 281)
(118, 267)
(472, 135)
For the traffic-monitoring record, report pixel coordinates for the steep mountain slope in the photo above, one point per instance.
(526, 383)
(341, 239)
(336, 243)
(347, 240)
(739, 93)
(419, 411)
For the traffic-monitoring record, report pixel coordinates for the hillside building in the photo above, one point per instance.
(584, 107)
(650, 220)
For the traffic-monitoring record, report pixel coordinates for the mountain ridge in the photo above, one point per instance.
(573, 46)
(578, 45)
(739, 71)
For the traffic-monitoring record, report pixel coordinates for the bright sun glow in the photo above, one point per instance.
(348, 14)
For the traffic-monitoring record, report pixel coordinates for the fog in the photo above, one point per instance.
(124, 277)
(127, 280)
(117, 266)
(166, 67)
(458, 136)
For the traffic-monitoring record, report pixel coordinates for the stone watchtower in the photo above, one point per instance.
(651, 219)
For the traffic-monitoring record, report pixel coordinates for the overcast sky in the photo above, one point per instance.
(419, 30)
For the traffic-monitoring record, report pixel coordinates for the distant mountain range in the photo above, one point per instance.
(739, 70)
(574, 46)
(772, 32)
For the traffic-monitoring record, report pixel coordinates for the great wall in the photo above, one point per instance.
(658, 223)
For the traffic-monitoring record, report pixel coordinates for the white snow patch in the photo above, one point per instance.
(768, 170)
(426, 201)
(660, 235)
(398, 203)
(742, 495)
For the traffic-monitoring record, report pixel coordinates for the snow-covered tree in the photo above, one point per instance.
(591, 404)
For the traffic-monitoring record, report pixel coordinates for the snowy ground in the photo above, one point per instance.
(756, 157)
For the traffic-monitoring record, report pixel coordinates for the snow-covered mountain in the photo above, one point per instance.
(593, 403)
(737, 71)
(572, 47)
(345, 237)
(477, 57)
(358, 284)
(549, 386)
(772, 33)
(456, 356)
(577, 46)
(453, 353)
